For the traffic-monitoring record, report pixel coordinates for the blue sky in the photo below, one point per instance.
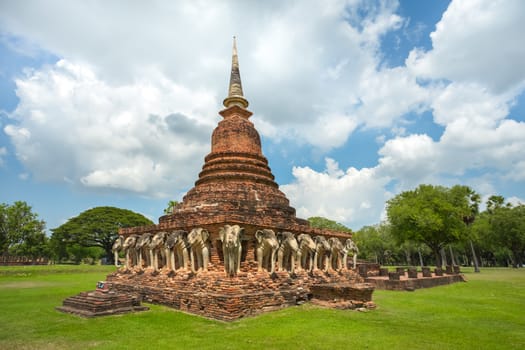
(114, 103)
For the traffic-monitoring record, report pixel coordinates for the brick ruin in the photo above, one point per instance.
(234, 247)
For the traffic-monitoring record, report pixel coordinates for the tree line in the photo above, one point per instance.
(430, 225)
(436, 225)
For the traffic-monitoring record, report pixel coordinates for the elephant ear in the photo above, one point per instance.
(222, 232)
(205, 235)
(241, 232)
(259, 235)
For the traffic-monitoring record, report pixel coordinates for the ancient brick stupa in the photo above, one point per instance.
(248, 250)
(235, 184)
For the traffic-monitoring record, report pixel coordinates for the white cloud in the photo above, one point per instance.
(134, 137)
(477, 41)
(410, 159)
(353, 197)
(296, 71)
(389, 94)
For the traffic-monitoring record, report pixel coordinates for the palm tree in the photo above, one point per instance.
(474, 200)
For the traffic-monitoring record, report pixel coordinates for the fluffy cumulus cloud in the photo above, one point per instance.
(477, 41)
(354, 197)
(135, 113)
(136, 137)
(134, 97)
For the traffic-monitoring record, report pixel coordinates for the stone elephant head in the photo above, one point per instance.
(142, 249)
(287, 252)
(129, 249)
(198, 236)
(307, 249)
(230, 237)
(156, 248)
(117, 247)
(158, 240)
(176, 248)
(322, 253)
(336, 253)
(266, 248)
(350, 246)
(199, 251)
(175, 238)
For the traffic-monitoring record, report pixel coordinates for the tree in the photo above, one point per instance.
(97, 227)
(432, 215)
(508, 229)
(470, 214)
(21, 232)
(170, 207)
(320, 222)
(375, 243)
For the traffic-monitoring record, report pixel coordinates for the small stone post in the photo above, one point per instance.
(393, 276)
(363, 270)
(426, 271)
(412, 272)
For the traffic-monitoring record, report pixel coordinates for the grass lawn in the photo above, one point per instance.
(488, 312)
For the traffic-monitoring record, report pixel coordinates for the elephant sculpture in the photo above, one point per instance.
(176, 250)
(322, 253)
(230, 237)
(129, 250)
(199, 251)
(143, 252)
(288, 251)
(307, 250)
(117, 248)
(156, 249)
(336, 253)
(266, 249)
(350, 246)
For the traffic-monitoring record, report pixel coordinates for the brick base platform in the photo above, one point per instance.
(95, 303)
(343, 296)
(211, 294)
(410, 284)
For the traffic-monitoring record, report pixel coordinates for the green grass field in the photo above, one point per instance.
(488, 312)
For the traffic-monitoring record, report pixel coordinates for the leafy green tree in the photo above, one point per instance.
(320, 222)
(432, 215)
(375, 243)
(170, 207)
(21, 232)
(508, 230)
(97, 227)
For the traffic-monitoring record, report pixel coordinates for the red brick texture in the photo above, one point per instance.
(213, 295)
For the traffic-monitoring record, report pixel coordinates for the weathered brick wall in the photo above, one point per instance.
(413, 283)
(22, 260)
(212, 294)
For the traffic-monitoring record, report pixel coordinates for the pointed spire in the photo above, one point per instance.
(235, 96)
